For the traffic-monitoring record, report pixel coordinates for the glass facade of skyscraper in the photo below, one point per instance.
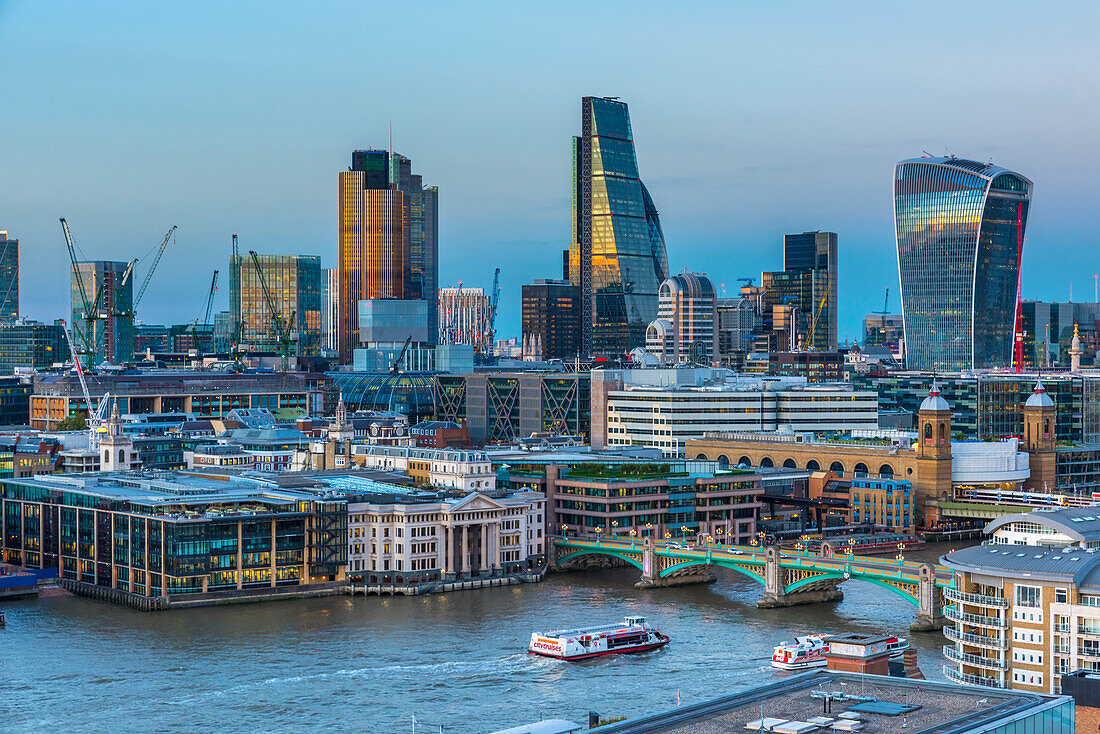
(618, 259)
(103, 327)
(9, 278)
(295, 285)
(960, 233)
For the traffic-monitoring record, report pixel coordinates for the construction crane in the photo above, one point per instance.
(885, 303)
(152, 268)
(280, 327)
(205, 315)
(396, 366)
(494, 301)
(95, 420)
(90, 308)
(817, 315)
(746, 281)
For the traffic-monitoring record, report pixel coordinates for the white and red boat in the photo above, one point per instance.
(807, 651)
(631, 635)
(897, 646)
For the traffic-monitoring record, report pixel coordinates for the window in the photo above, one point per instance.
(1028, 596)
(1060, 596)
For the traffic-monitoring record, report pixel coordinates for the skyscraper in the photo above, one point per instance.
(551, 319)
(103, 326)
(684, 330)
(295, 285)
(960, 234)
(330, 311)
(464, 318)
(807, 283)
(389, 238)
(618, 254)
(9, 278)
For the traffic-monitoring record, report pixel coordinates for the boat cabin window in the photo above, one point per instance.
(635, 621)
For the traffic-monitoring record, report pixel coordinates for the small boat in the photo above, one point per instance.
(630, 635)
(807, 651)
(897, 646)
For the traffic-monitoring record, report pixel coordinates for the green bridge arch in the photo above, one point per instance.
(602, 552)
(852, 577)
(696, 562)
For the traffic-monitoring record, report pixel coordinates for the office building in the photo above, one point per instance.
(808, 283)
(739, 321)
(153, 542)
(551, 320)
(684, 331)
(625, 499)
(103, 311)
(31, 345)
(884, 330)
(618, 257)
(505, 406)
(990, 405)
(15, 401)
(389, 240)
(1049, 329)
(960, 234)
(330, 311)
(224, 333)
(203, 394)
(667, 416)
(294, 283)
(464, 318)
(814, 366)
(9, 278)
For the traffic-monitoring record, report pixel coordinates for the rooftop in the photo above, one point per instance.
(1069, 565)
(941, 708)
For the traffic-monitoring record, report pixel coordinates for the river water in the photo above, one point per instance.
(369, 664)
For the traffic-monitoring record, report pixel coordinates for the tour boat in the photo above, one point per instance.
(898, 646)
(807, 651)
(630, 635)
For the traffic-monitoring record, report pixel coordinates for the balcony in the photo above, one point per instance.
(987, 641)
(1089, 652)
(1089, 630)
(971, 680)
(1061, 649)
(980, 661)
(952, 613)
(995, 602)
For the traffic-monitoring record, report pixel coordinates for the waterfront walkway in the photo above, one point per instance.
(789, 577)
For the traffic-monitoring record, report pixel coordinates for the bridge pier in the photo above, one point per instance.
(651, 572)
(929, 602)
(775, 583)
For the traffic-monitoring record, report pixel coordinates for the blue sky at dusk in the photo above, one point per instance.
(750, 120)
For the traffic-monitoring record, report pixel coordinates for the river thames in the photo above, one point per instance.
(368, 664)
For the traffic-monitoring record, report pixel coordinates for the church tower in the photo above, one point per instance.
(934, 425)
(116, 449)
(1040, 436)
(932, 482)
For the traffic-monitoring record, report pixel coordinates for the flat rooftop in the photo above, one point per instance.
(944, 708)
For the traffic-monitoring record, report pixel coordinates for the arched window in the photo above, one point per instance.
(106, 455)
(744, 461)
(812, 465)
(789, 464)
(943, 434)
(860, 469)
(886, 471)
(837, 467)
(766, 461)
(928, 434)
(701, 457)
(723, 462)
(1046, 428)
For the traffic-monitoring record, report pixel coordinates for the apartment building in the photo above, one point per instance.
(1025, 607)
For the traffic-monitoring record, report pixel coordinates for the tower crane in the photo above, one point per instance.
(885, 303)
(205, 316)
(95, 420)
(494, 301)
(152, 268)
(280, 327)
(90, 308)
(746, 281)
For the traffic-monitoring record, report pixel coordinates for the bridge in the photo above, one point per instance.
(789, 578)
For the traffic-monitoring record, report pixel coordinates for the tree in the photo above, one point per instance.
(76, 422)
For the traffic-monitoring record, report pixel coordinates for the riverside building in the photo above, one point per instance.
(1025, 606)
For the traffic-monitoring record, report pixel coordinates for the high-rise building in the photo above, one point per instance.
(330, 310)
(738, 322)
(618, 257)
(960, 234)
(684, 330)
(808, 283)
(103, 327)
(389, 238)
(1049, 330)
(295, 285)
(464, 317)
(224, 326)
(31, 344)
(551, 319)
(883, 330)
(9, 278)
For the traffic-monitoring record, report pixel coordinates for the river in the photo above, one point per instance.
(368, 664)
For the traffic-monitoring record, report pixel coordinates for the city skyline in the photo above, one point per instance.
(730, 172)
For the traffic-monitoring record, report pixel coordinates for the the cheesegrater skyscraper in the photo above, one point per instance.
(618, 253)
(960, 234)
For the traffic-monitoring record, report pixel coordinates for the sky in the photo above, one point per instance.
(750, 120)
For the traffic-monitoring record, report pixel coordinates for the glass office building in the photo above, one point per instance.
(618, 257)
(102, 296)
(295, 285)
(9, 277)
(960, 234)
